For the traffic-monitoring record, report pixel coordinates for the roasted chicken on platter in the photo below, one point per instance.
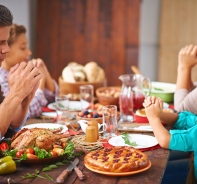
(37, 137)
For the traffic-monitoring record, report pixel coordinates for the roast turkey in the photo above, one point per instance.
(37, 137)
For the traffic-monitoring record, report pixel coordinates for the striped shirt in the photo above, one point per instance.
(41, 98)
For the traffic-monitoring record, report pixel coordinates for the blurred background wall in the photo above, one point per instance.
(160, 21)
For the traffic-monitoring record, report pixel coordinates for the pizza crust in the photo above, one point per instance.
(117, 159)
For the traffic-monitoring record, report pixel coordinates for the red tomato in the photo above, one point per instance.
(4, 146)
(30, 150)
(63, 144)
(31, 156)
(53, 153)
(19, 153)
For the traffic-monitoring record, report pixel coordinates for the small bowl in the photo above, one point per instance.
(70, 87)
(82, 115)
(140, 116)
(108, 95)
(165, 91)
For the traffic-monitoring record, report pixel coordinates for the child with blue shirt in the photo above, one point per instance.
(184, 133)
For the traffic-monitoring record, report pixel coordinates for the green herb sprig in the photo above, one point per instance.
(125, 136)
(36, 174)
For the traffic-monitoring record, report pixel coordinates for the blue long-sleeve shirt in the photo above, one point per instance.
(184, 135)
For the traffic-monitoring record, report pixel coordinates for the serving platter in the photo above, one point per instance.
(47, 126)
(42, 161)
(38, 161)
(118, 174)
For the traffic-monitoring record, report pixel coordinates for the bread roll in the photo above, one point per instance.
(94, 73)
(73, 72)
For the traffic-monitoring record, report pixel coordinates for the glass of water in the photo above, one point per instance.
(62, 109)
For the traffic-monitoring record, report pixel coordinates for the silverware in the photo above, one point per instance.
(61, 178)
(78, 171)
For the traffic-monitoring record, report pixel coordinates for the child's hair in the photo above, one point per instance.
(15, 31)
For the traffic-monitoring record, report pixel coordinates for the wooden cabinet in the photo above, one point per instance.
(104, 31)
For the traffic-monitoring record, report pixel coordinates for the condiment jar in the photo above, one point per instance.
(91, 135)
(94, 123)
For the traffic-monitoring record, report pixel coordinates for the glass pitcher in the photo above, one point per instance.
(135, 88)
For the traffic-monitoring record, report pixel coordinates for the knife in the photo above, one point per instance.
(78, 171)
(61, 178)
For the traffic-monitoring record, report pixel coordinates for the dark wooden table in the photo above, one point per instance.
(154, 174)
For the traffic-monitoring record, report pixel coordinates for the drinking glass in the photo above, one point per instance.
(62, 109)
(87, 97)
(109, 113)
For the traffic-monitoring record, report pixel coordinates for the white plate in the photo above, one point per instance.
(54, 115)
(47, 126)
(162, 87)
(143, 128)
(73, 105)
(49, 114)
(142, 141)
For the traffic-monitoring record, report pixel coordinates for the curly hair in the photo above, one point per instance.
(6, 17)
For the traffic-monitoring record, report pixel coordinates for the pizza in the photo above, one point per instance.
(117, 159)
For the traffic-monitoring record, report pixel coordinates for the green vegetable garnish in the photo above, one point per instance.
(125, 136)
(36, 174)
(49, 177)
(41, 153)
(60, 105)
(69, 150)
(11, 153)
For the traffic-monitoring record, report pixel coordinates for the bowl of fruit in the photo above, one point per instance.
(108, 95)
(90, 115)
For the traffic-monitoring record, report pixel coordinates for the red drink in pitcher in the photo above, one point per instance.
(132, 95)
(129, 104)
(138, 100)
(126, 104)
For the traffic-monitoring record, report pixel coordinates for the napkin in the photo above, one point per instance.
(72, 132)
(171, 106)
(106, 144)
(150, 148)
